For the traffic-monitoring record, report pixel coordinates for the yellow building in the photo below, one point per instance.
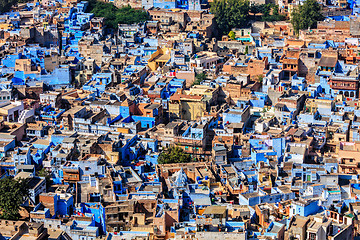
(159, 58)
(194, 103)
(26, 66)
(313, 105)
(6, 26)
(187, 107)
(202, 90)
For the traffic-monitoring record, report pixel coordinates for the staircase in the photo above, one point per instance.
(25, 114)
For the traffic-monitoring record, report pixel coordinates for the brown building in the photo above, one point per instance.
(234, 88)
(290, 62)
(130, 214)
(168, 16)
(192, 170)
(91, 48)
(97, 24)
(328, 62)
(347, 86)
(22, 230)
(256, 67)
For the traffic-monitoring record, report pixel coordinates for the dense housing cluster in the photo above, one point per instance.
(164, 130)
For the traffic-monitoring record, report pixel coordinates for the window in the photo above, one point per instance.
(312, 236)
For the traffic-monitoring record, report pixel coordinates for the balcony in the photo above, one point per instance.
(188, 142)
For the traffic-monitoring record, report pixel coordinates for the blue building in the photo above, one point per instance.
(96, 211)
(182, 4)
(304, 207)
(98, 82)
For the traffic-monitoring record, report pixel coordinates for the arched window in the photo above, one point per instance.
(352, 94)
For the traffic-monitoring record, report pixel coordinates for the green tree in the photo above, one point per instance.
(174, 155)
(246, 50)
(47, 175)
(306, 15)
(12, 193)
(114, 16)
(231, 35)
(344, 209)
(230, 14)
(5, 5)
(256, 8)
(199, 78)
(270, 12)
